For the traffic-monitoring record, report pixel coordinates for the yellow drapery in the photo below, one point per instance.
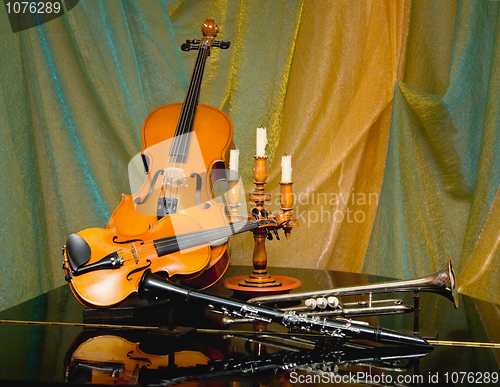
(442, 172)
(336, 120)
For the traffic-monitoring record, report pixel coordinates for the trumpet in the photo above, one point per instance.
(326, 302)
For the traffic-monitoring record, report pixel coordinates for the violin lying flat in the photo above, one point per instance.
(103, 268)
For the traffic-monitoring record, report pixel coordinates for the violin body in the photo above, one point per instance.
(207, 153)
(220, 254)
(107, 286)
(104, 268)
(213, 133)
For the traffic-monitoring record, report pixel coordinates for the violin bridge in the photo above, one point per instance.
(134, 253)
(175, 177)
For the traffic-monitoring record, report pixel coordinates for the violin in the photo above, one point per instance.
(185, 151)
(103, 268)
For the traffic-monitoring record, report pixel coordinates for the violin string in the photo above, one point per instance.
(180, 140)
(183, 127)
(211, 234)
(194, 102)
(174, 148)
(191, 97)
(171, 184)
(176, 188)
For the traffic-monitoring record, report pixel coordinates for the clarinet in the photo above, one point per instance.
(153, 286)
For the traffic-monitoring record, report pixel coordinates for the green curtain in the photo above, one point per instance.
(73, 105)
(443, 165)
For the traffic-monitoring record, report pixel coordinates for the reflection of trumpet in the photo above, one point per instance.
(441, 282)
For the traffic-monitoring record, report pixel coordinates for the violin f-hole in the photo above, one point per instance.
(199, 183)
(138, 270)
(151, 187)
(115, 240)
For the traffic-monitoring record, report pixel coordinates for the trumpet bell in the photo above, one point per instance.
(445, 278)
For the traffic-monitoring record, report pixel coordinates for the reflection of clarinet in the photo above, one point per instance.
(153, 286)
(316, 359)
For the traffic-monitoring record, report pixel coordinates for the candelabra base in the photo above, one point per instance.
(260, 279)
(249, 291)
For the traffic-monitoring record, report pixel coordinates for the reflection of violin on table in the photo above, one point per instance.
(113, 357)
(185, 148)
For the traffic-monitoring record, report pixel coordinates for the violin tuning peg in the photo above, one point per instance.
(220, 44)
(264, 213)
(190, 45)
(225, 45)
(255, 213)
(276, 234)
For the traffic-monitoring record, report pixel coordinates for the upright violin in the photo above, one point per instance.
(185, 149)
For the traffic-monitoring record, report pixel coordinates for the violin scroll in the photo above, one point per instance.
(209, 30)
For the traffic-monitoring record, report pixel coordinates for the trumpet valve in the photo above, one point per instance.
(310, 303)
(322, 303)
(333, 302)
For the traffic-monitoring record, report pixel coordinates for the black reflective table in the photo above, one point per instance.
(61, 349)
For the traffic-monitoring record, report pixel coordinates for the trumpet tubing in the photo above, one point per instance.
(442, 282)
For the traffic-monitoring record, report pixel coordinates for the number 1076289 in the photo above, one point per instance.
(33, 7)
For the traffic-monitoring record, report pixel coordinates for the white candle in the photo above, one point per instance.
(286, 169)
(261, 142)
(233, 159)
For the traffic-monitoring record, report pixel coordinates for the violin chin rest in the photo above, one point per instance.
(77, 251)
